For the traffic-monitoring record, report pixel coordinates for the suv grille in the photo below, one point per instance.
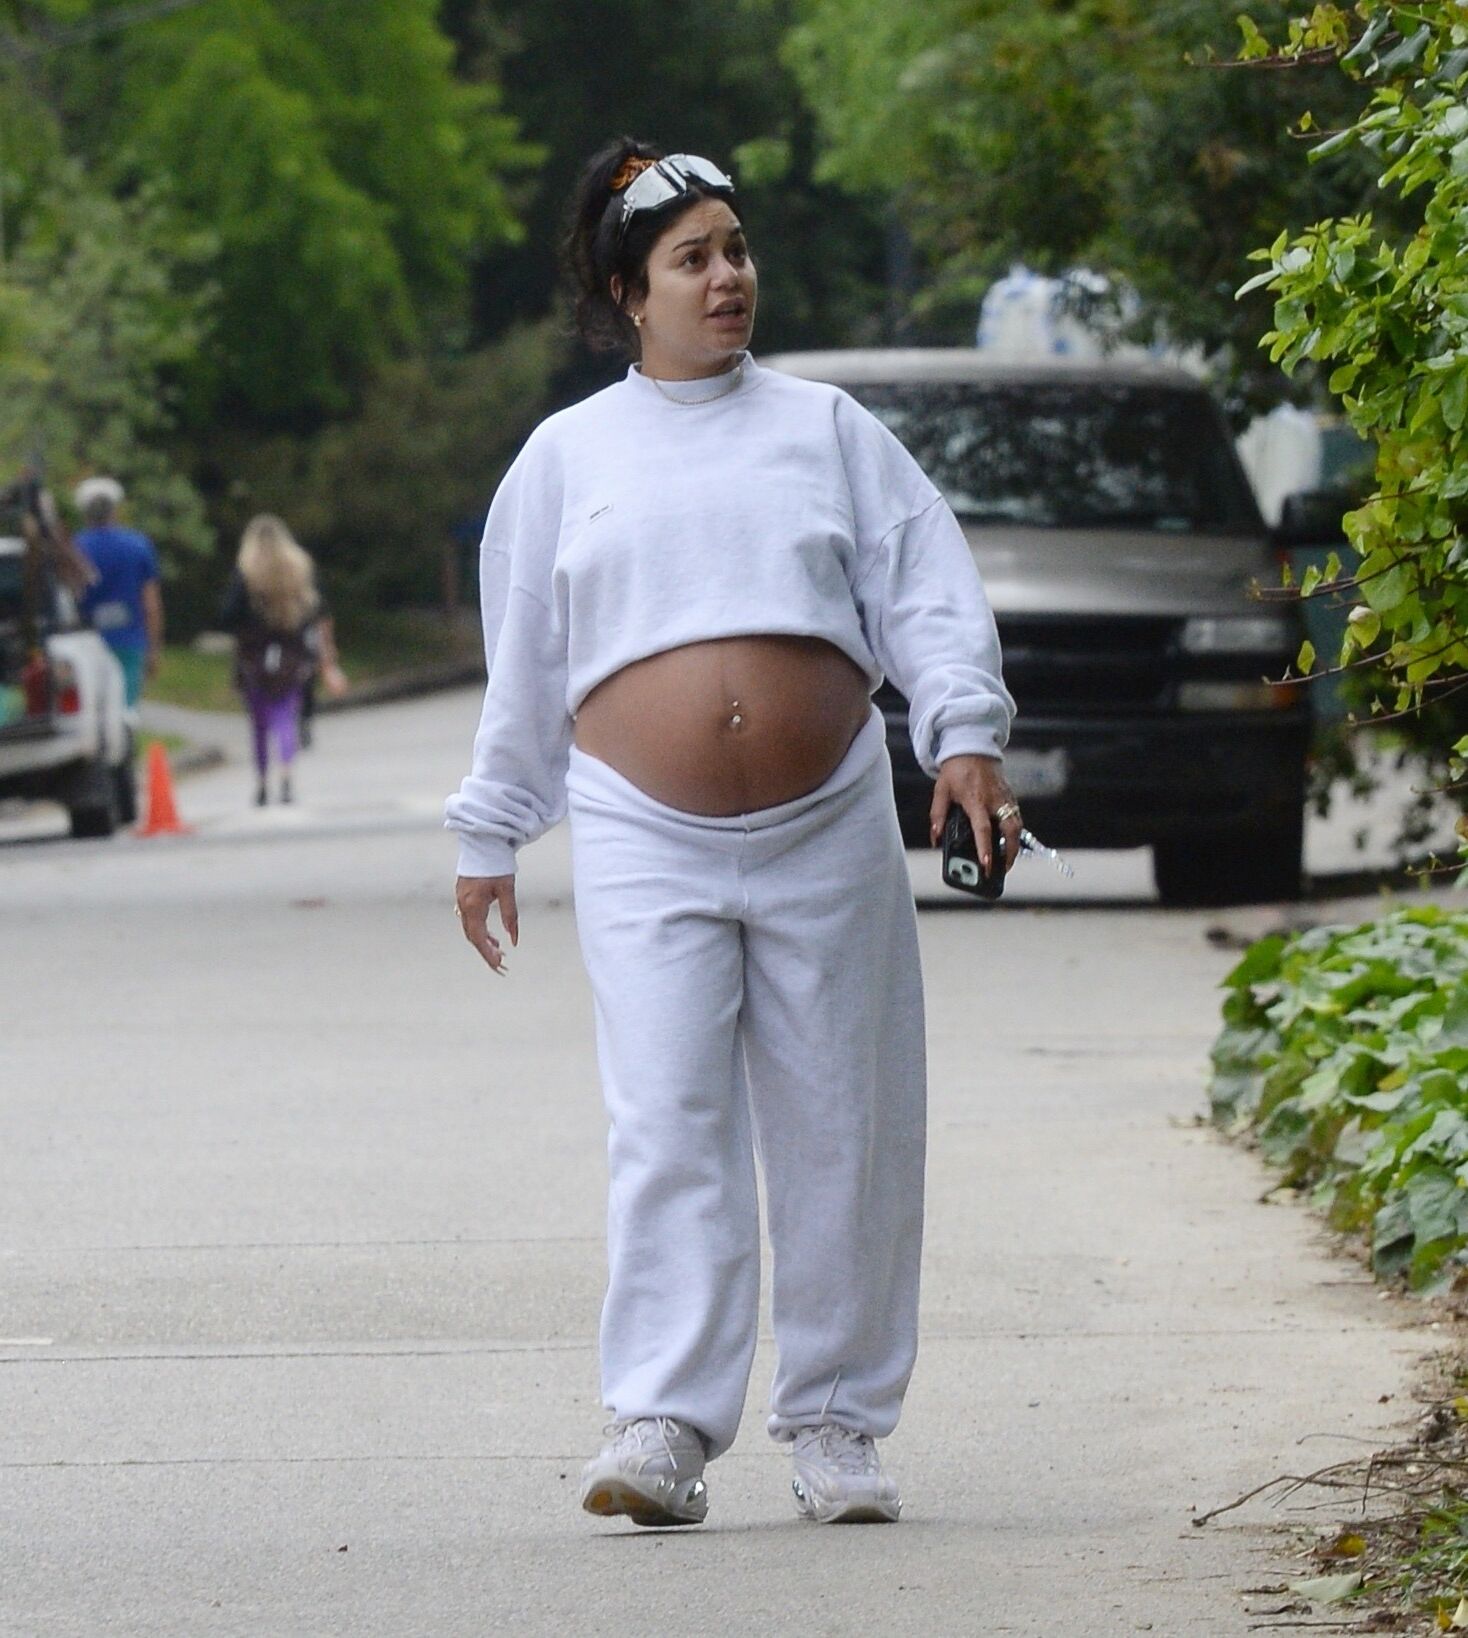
(1086, 663)
(1073, 664)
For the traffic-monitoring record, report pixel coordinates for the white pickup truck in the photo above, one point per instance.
(65, 734)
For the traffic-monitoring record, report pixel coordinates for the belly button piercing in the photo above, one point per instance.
(736, 719)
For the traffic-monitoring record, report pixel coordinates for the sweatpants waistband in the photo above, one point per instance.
(593, 783)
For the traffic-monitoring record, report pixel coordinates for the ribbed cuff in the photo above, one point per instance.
(484, 855)
(968, 739)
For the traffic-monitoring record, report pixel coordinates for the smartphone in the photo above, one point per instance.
(961, 867)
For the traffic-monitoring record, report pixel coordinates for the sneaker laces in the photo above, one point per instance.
(840, 1447)
(643, 1435)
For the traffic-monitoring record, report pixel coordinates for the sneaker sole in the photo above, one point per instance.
(612, 1498)
(856, 1513)
(863, 1505)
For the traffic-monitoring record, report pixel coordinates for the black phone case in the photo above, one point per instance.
(961, 867)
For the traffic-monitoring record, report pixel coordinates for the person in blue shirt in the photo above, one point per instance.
(125, 601)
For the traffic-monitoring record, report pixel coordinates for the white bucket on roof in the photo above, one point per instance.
(1079, 315)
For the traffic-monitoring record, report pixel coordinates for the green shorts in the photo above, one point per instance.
(134, 663)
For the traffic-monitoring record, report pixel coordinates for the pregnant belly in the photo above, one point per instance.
(727, 726)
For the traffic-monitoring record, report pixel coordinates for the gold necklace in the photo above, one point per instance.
(737, 374)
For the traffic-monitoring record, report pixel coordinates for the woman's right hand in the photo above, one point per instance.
(473, 895)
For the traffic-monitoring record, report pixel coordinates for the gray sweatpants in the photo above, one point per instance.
(757, 987)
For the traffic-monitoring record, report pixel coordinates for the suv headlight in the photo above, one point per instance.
(1238, 634)
(1236, 696)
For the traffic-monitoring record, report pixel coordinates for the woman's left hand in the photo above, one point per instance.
(978, 785)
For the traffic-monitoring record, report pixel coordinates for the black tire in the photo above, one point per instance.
(93, 805)
(1254, 865)
(125, 778)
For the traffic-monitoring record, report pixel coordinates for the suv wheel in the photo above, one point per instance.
(125, 779)
(1246, 865)
(94, 801)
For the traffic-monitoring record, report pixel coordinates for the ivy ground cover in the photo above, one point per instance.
(1344, 1054)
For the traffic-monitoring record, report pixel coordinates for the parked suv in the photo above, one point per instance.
(64, 732)
(1118, 538)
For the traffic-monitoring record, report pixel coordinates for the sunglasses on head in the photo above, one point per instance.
(666, 180)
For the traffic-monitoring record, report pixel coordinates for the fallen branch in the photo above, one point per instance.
(1295, 1481)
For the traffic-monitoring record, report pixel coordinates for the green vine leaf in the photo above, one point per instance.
(1255, 45)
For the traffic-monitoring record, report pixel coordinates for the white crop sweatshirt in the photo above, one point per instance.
(630, 524)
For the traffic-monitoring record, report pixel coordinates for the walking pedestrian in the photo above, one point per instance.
(272, 606)
(692, 583)
(125, 600)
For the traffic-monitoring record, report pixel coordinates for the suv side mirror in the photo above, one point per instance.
(1311, 517)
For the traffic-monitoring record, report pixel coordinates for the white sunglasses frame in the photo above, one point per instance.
(674, 172)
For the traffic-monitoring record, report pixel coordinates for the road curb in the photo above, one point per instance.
(196, 758)
(406, 685)
(199, 756)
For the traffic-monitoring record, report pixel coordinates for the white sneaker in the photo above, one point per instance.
(839, 1478)
(652, 1470)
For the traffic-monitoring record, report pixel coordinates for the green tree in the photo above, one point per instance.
(385, 499)
(95, 328)
(1386, 311)
(1070, 131)
(704, 77)
(347, 175)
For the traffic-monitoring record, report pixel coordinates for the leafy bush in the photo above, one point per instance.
(1384, 307)
(383, 500)
(1345, 1053)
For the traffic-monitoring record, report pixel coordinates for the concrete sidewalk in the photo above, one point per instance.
(301, 1256)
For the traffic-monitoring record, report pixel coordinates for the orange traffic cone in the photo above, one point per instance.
(162, 817)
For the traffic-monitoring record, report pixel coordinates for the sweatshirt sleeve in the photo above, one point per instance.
(929, 623)
(516, 789)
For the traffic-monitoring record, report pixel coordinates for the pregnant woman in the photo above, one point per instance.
(692, 583)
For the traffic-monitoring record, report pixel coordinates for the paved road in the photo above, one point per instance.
(300, 1259)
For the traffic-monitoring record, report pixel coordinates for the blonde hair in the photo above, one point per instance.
(278, 573)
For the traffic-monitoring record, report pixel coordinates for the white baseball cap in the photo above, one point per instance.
(90, 490)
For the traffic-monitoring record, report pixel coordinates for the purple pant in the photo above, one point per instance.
(274, 719)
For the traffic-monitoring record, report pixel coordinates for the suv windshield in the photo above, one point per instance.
(1072, 455)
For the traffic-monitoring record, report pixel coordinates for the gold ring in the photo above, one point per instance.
(1010, 810)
